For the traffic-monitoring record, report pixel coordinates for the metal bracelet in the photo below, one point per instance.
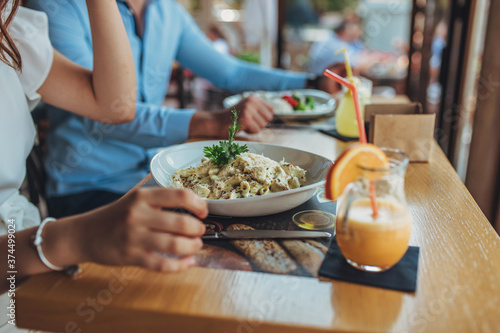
(37, 242)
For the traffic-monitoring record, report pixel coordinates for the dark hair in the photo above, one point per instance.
(341, 27)
(9, 54)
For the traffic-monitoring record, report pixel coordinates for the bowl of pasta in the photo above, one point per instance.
(266, 179)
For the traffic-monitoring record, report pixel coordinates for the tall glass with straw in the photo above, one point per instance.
(345, 116)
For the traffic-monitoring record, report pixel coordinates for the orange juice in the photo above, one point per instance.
(375, 242)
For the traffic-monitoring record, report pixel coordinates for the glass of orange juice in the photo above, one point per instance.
(375, 243)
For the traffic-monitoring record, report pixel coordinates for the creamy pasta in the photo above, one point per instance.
(247, 176)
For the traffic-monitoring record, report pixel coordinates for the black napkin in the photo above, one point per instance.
(336, 135)
(403, 276)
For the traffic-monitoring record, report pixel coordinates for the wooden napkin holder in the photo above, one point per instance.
(402, 126)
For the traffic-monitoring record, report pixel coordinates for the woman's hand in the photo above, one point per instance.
(136, 230)
(130, 231)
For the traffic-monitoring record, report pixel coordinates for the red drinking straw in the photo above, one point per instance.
(354, 92)
(361, 125)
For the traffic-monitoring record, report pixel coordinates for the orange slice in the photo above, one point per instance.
(346, 169)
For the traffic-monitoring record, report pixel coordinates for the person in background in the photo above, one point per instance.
(322, 55)
(159, 31)
(131, 231)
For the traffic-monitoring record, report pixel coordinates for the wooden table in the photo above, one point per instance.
(458, 283)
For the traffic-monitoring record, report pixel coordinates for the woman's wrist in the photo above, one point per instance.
(63, 242)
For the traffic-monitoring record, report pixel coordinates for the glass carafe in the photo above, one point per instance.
(371, 243)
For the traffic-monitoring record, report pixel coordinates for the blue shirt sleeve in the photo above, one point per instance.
(153, 126)
(197, 53)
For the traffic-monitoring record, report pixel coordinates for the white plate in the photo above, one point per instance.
(167, 161)
(324, 103)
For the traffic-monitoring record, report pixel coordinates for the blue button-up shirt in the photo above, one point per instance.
(87, 155)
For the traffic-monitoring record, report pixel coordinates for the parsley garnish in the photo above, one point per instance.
(225, 151)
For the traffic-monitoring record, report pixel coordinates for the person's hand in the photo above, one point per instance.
(136, 229)
(255, 114)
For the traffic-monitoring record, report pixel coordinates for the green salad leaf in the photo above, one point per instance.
(226, 151)
(301, 103)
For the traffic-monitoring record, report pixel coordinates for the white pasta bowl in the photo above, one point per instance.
(170, 159)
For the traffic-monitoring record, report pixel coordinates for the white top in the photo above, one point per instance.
(18, 96)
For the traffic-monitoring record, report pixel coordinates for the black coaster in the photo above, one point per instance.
(402, 277)
(336, 135)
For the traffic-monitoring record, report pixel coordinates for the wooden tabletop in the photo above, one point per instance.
(458, 283)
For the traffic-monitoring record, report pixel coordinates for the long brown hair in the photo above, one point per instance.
(9, 53)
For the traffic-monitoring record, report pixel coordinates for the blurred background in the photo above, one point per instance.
(441, 53)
